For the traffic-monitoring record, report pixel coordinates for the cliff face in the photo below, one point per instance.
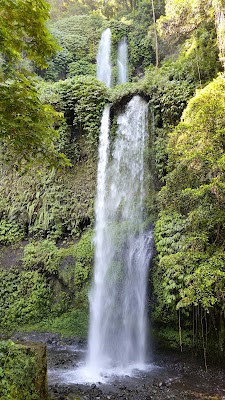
(47, 216)
(44, 215)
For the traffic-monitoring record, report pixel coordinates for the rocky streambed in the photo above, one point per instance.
(172, 377)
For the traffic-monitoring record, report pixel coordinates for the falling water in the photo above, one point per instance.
(117, 334)
(103, 58)
(122, 61)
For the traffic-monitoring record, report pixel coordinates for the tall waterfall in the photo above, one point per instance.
(117, 334)
(122, 61)
(103, 58)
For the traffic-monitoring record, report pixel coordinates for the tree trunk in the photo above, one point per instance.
(156, 37)
(220, 28)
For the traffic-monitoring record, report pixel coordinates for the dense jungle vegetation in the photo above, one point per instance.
(50, 112)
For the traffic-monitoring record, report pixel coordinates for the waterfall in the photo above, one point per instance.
(122, 61)
(117, 332)
(103, 58)
(100, 209)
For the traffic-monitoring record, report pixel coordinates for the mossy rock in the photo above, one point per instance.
(39, 351)
(23, 371)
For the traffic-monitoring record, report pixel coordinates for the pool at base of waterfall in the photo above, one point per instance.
(169, 376)
(84, 374)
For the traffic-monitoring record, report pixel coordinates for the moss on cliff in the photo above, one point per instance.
(23, 371)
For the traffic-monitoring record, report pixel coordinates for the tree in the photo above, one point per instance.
(219, 7)
(189, 234)
(183, 16)
(26, 125)
(68, 8)
(155, 33)
(195, 185)
(23, 30)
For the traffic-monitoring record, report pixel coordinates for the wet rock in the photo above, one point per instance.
(176, 380)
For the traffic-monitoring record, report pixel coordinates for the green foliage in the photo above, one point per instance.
(26, 125)
(84, 254)
(51, 282)
(168, 94)
(141, 43)
(190, 231)
(126, 90)
(10, 232)
(81, 67)
(65, 8)
(137, 26)
(71, 323)
(196, 64)
(197, 143)
(82, 101)
(23, 30)
(49, 204)
(169, 338)
(119, 29)
(198, 59)
(63, 300)
(43, 255)
(171, 87)
(18, 372)
(78, 37)
(67, 144)
(206, 285)
(68, 290)
(160, 152)
(22, 111)
(169, 233)
(109, 9)
(24, 296)
(183, 16)
(69, 304)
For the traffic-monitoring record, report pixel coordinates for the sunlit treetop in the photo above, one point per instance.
(183, 16)
(23, 30)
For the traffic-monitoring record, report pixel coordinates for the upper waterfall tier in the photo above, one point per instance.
(122, 61)
(104, 68)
